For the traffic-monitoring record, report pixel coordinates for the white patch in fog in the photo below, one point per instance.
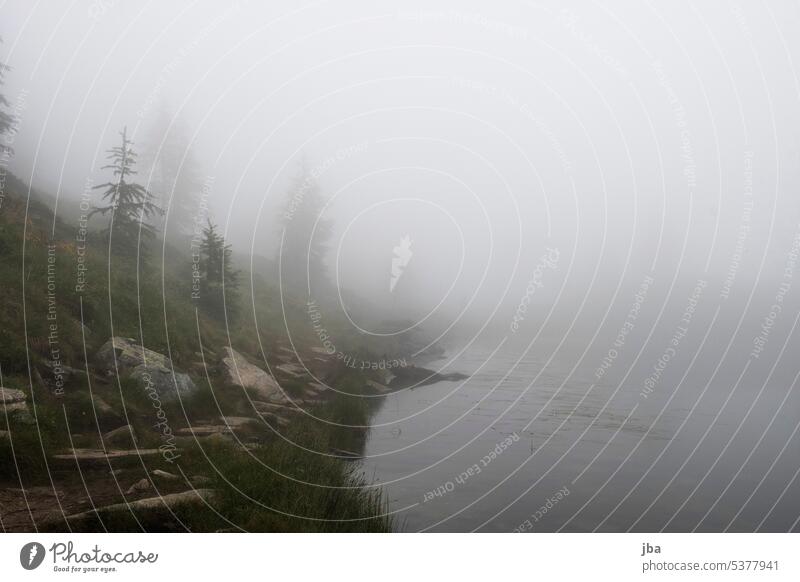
(402, 256)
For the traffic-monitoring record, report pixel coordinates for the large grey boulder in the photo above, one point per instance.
(14, 403)
(166, 383)
(240, 372)
(154, 371)
(121, 352)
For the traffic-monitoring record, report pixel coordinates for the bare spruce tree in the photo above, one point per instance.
(130, 204)
(6, 119)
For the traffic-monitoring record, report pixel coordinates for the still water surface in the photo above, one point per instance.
(524, 445)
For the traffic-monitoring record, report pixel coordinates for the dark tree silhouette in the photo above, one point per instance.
(219, 282)
(130, 204)
(306, 236)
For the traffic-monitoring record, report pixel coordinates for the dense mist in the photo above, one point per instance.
(532, 163)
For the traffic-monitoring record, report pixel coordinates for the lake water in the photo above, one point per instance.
(532, 444)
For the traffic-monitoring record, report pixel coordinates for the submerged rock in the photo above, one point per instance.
(413, 376)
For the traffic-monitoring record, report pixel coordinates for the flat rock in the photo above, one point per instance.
(193, 496)
(378, 387)
(291, 369)
(274, 407)
(98, 455)
(235, 422)
(164, 475)
(102, 406)
(199, 430)
(240, 372)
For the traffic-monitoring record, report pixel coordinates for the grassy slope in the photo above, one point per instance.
(121, 299)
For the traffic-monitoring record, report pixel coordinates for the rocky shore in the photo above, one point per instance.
(152, 420)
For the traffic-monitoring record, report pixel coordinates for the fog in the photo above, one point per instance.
(546, 156)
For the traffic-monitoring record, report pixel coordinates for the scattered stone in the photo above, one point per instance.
(123, 436)
(200, 430)
(273, 407)
(166, 476)
(237, 422)
(314, 390)
(139, 487)
(294, 370)
(378, 387)
(102, 406)
(240, 372)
